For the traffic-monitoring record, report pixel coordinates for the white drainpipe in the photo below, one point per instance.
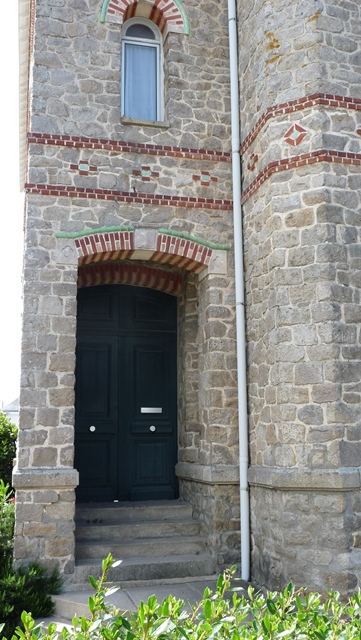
(24, 37)
(240, 306)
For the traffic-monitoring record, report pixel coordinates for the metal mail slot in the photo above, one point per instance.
(151, 409)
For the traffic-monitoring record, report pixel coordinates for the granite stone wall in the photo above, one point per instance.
(92, 172)
(76, 77)
(301, 115)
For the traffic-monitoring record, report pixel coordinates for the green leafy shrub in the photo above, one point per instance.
(222, 615)
(6, 527)
(22, 588)
(8, 434)
(26, 588)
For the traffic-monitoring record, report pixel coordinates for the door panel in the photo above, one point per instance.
(126, 406)
(98, 308)
(94, 370)
(96, 433)
(145, 310)
(152, 384)
(95, 468)
(150, 472)
(152, 417)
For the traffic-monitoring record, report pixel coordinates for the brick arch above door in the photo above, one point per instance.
(115, 245)
(139, 275)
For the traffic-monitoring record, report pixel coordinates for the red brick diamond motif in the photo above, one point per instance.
(295, 135)
(252, 162)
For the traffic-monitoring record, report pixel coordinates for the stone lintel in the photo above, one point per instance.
(342, 479)
(45, 478)
(207, 474)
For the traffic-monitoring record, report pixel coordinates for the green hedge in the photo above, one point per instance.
(221, 615)
(7, 514)
(8, 434)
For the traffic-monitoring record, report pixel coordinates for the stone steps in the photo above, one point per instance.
(146, 569)
(128, 597)
(144, 547)
(159, 510)
(136, 530)
(154, 540)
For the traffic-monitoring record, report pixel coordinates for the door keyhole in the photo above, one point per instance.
(152, 428)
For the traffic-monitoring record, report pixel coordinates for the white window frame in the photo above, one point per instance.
(158, 45)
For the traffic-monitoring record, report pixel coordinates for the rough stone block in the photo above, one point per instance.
(35, 530)
(45, 457)
(59, 547)
(61, 397)
(308, 373)
(45, 497)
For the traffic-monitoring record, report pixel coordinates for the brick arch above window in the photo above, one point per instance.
(168, 15)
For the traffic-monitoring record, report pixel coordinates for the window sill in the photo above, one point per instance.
(159, 124)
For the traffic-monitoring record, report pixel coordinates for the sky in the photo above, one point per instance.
(11, 213)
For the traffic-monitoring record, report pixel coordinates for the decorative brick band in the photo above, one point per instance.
(128, 196)
(340, 157)
(132, 274)
(326, 99)
(168, 15)
(81, 142)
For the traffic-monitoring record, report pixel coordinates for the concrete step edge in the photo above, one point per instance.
(147, 568)
(146, 530)
(96, 562)
(139, 541)
(129, 584)
(137, 523)
(150, 549)
(166, 508)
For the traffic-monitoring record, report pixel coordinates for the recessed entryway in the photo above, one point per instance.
(126, 394)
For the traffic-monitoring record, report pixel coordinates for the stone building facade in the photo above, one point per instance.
(120, 200)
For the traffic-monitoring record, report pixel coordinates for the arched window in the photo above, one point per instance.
(141, 70)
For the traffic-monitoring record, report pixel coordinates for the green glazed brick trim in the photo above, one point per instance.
(81, 234)
(187, 236)
(184, 16)
(104, 10)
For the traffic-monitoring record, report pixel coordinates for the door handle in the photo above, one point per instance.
(152, 428)
(92, 428)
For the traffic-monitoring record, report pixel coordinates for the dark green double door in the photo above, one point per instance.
(125, 403)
